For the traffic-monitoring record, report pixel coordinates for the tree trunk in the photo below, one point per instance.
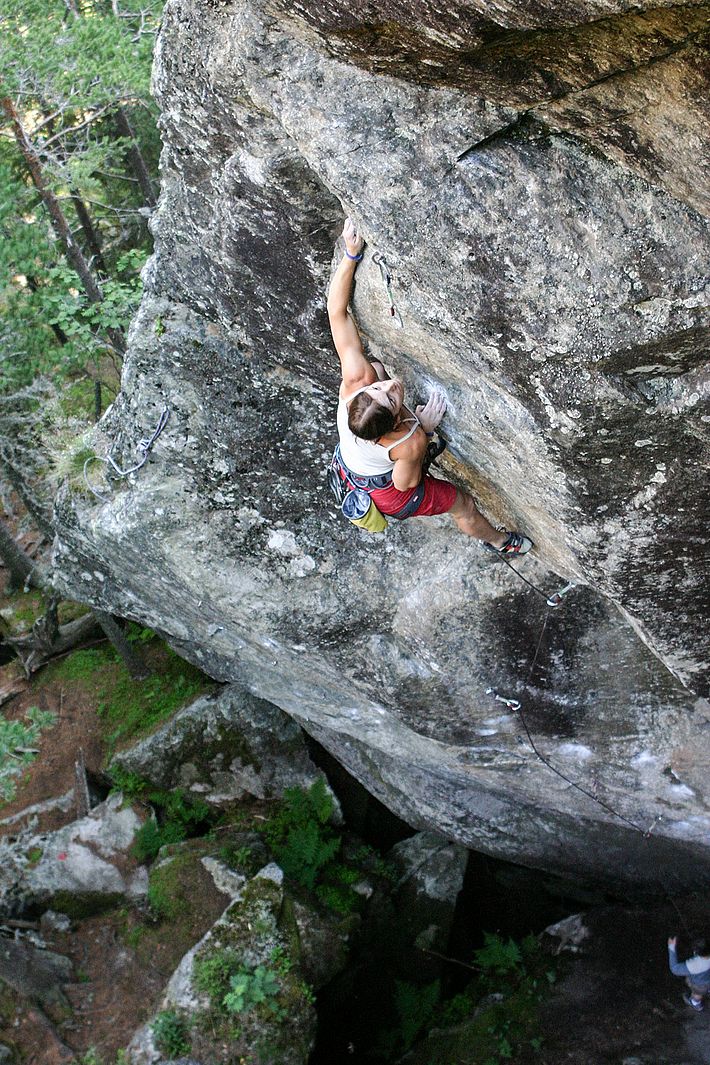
(97, 400)
(21, 567)
(135, 157)
(39, 514)
(131, 657)
(57, 217)
(48, 638)
(91, 235)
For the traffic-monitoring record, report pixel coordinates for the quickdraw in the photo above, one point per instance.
(144, 446)
(379, 260)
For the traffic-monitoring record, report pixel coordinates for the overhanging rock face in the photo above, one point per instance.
(548, 246)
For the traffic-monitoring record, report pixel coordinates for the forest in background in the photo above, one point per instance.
(78, 167)
(79, 149)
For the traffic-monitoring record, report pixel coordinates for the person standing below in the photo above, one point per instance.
(695, 969)
(383, 444)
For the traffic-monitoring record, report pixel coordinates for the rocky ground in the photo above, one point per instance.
(93, 980)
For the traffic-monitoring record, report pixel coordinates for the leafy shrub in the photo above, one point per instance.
(18, 741)
(249, 988)
(415, 1008)
(495, 1033)
(178, 815)
(170, 1034)
(236, 857)
(497, 956)
(151, 836)
(236, 989)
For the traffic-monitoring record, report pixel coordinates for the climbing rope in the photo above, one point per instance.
(144, 446)
(379, 260)
(553, 600)
(516, 706)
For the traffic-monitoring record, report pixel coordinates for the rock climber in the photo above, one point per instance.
(695, 969)
(383, 444)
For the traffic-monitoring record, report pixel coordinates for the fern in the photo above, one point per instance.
(306, 850)
(415, 1006)
(497, 956)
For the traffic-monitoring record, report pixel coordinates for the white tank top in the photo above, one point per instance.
(365, 457)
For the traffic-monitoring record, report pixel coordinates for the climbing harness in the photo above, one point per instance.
(379, 260)
(144, 447)
(353, 494)
(344, 484)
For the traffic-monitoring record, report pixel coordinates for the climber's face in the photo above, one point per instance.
(389, 394)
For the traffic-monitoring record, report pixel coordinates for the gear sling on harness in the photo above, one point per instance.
(352, 492)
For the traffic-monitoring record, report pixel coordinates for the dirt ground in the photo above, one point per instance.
(617, 1002)
(122, 959)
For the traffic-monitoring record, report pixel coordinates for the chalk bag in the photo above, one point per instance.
(361, 511)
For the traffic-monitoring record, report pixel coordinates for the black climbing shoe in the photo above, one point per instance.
(515, 544)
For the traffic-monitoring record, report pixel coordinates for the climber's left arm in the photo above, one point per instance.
(356, 370)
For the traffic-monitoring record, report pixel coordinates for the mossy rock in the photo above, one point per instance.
(256, 941)
(84, 904)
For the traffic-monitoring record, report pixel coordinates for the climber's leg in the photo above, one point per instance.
(471, 522)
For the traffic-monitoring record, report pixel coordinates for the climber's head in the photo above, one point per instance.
(374, 410)
(700, 946)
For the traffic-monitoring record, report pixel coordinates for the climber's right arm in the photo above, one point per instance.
(356, 370)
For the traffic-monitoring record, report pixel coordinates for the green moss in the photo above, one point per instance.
(166, 890)
(69, 611)
(8, 1004)
(129, 708)
(26, 607)
(87, 904)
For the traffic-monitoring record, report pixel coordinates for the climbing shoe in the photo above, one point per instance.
(697, 1006)
(515, 544)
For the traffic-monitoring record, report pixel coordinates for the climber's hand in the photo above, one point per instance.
(432, 412)
(672, 941)
(354, 243)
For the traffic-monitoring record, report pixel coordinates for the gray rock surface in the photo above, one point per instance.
(35, 974)
(225, 746)
(431, 876)
(432, 865)
(533, 177)
(81, 864)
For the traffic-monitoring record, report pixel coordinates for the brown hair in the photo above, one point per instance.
(368, 419)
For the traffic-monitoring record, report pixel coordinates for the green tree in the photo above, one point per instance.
(74, 79)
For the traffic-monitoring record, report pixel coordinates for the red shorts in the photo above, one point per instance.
(439, 497)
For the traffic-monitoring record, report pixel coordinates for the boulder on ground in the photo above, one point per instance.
(79, 868)
(35, 974)
(225, 746)
(432, 871)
